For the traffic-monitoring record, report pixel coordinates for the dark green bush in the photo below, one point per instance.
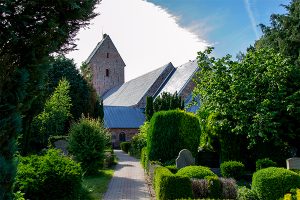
(51, 176)
(232, 169)
(170, 132)
(109, 158)
(214, 186)
(125, 146)
(172, 168)
(245, 193)
(170, 186)
(265, 163)
(87, 140)
(199, 172)
(272, 183)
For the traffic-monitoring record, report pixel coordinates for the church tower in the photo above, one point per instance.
(107, 66)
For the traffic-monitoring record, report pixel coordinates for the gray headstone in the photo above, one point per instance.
(293, 163)
(184, 159)
(62, 145)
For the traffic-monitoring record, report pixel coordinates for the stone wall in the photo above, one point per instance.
(106, 58)
(129, 133)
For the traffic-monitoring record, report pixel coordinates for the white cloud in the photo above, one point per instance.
(252, 18)
(146, 36)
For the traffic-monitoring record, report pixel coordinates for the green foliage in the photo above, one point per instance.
(168, 101)
(38, 176)
(199, 172)
(53, 119)
(125, 146)
(30, 32)
(149, 108)
(170, 132)
(80, 91)
(232, 169)
(214, 186)
(169, 186)
(144, 158)
(264, 163)
(245, 193)
(273, 183)
(87, 140)
(53, 139)
(139, 141)
(247, 101)
(172, 168)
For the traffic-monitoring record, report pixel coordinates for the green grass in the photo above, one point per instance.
(95, 186)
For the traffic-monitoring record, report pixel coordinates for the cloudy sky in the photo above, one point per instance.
(149, 34)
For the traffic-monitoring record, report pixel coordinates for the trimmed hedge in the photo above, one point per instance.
(273, 183)
(232, 169)
(198, 172)
(245, 193)
(172, 168)
(170, 186)
(125, 146)
(51, 176)
(170, 132)
(144, 158)
(265, 163)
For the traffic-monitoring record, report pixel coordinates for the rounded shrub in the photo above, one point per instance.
(272, 183)
(172, 168)
(171, 131)
(199, 172)
(87, 140)
(51, 176)
(264, 163)
(232, 169)
(245, 193)
(125, 146)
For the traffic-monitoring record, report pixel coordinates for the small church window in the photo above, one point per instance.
(107, 55)
(107, 72)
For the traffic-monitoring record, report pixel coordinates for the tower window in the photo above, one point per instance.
(107, 72)
(107, 55)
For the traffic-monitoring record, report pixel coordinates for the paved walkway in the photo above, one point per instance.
(128, 181)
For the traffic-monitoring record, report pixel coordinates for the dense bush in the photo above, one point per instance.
(172, 168)
(220, 188)
(51, 176)
(245, 193)
(170, 186)
(139, 141)
(144, 158)
(170, 132)
(109, 158)
(199, 172)
(87, 140)
(264, 163)
(125, 146)
(272, 183)
(232, 169)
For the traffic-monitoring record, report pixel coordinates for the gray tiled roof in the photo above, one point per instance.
(131, 92)
(95, 49)
(123, 117)
(180, 78)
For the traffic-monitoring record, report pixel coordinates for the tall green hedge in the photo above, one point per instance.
(170, 132)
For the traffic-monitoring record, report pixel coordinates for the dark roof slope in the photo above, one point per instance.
(180, 78)
(123, 117)
(131, 92)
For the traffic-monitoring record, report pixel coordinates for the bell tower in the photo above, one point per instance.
(107, 66)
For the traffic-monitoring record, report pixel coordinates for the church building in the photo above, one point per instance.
(124, 102)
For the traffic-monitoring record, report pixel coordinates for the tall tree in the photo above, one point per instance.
(29, 32)
(149, 108)
(257, 98)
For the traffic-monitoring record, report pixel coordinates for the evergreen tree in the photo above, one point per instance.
(149, 108)
(30, 31)
(167, 101)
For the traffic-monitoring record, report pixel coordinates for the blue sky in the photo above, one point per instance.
(229, 25)
(150, 34)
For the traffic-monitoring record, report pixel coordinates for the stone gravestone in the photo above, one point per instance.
(184, 158)
(293, 163)
(62, 145)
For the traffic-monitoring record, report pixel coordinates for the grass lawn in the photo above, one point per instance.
(96, 185)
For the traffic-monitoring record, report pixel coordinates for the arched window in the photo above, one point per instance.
(122, 137)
